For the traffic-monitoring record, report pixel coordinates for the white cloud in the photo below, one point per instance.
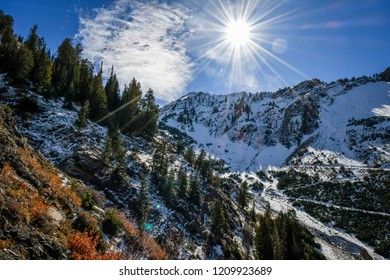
(142, 40)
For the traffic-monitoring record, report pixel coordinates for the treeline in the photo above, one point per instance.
(69, 75)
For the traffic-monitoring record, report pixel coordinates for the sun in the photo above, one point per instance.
(238, 33)
(243, 42)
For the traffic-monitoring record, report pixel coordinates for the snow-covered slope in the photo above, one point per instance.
(339, 121)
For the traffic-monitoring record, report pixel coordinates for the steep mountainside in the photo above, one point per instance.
(46, 214)
(345, 121)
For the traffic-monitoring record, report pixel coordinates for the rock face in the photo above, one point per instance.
(89, 167)
(300, 119)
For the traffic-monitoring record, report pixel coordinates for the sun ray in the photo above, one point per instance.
(246, 39)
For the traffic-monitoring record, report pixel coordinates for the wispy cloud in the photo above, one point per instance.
(142, 40)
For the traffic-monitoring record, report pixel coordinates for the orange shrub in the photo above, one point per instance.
(5, 244)
(83, 247)
(149, 246)
(155, 250)
(29, 204)
(128, 226)
(58, 189)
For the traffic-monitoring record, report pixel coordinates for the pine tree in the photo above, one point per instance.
(43, 71)
(22, 62)
(147, 123)
(205, 169)
(217, 218)
(142, 200)
(167, 187)
(182, 184)
(263, 240)
(119, 150)
(130, 113)
(84, 88)
(40, 74)
(194, 195)
(32, 44)
(200, 160)
(279, 237)
(98, 97)
(108, 153)
(294, 240)
(160, 163)
(112, 91)
(283, 238)
(83, 115)
(66, 70)
(7, 41)
(32, 39)
(189, 156)
(243, 195)
(15, 58)
(180, 146)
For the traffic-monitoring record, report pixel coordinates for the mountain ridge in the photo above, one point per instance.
(288, 117)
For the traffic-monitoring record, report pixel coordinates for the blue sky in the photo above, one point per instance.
(218, 46)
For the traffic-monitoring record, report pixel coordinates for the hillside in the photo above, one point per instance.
(46, 214)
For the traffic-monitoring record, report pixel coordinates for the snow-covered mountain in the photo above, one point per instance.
(343, 122)
(325, 147)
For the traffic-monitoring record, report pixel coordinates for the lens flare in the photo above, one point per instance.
(148, 226)
(279, 46)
